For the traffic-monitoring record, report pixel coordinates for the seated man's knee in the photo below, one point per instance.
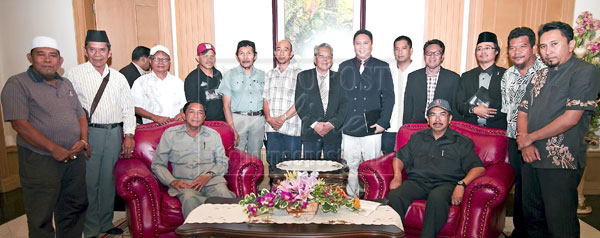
(440, 195)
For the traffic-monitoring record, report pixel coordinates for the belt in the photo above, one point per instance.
(105, 126)
(256, 113)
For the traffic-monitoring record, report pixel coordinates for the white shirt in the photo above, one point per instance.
(399, 77)
(115, 105)
(162, 97)
(140, 70)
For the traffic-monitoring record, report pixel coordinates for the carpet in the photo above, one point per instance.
(121, 223)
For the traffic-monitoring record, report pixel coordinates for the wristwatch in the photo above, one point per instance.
(129, 135)
(462, 183)
(212, 174)
(471, 109)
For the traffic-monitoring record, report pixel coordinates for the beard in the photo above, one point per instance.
(550, 64)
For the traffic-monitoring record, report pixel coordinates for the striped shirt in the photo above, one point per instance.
(115, 106)
(280, 91)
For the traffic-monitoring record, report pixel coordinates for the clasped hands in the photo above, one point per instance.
(484, 111)
(323, 128)
(197, 184)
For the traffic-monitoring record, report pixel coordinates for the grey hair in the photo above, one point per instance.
(323, 45)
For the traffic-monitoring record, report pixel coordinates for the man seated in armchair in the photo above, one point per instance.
(439, 162)
(197, 157)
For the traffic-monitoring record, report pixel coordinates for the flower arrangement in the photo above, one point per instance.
(587, 48)
(295, 193)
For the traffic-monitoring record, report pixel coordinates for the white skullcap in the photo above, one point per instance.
(44, 41)
(158, 48)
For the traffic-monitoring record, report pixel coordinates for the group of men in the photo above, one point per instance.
(318, 111)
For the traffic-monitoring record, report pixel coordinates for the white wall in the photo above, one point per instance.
(22, 20)
(593, 6)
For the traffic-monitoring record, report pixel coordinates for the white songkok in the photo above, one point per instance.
(44, 41)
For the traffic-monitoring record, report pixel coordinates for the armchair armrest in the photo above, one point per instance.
(244, 172)
(376, 175)
(136, 184)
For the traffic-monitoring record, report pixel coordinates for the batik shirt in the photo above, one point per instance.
(573, 85)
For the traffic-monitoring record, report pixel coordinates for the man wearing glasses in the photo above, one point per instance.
(159, 96)
(426, 84)
(486, 76)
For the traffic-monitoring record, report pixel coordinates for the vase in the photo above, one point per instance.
(311, 209)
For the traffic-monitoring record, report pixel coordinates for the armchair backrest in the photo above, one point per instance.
(490, 143)
(147, 137)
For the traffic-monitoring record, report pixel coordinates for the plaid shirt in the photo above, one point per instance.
(280, 90)
(431, 84)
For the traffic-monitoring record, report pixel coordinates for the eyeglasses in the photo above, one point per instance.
(430, 53)
(155, 59)
(486, 48)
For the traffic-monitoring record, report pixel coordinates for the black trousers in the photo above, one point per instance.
(53, 188)
(388, 141)
(438, 204)
(550, 201)
(516, 161)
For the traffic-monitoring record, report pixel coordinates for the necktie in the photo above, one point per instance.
(362, 66)
(323, 91)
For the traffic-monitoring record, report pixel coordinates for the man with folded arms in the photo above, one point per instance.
(440, 163)
(198, 159)
(52, 140)
(159, 96)
(113, 117)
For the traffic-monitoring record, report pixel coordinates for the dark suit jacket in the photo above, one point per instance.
(310, 107)
(468, 85)
(371, 90)
(131, 73)
(415, 95)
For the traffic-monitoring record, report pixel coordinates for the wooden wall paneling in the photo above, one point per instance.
(84, 19)
(146, 2)
(117, 18)
(164, 25)
(445, 19)
(195, 24)
(146, 20)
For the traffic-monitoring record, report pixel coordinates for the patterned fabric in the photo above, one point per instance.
(431, 85)
(324, 89)
(116, 104)
(572, 85)
(279, 91)
(162, 97)
(513, 87)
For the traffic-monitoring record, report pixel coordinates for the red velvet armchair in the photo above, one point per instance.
(482, 211)
(151, 212)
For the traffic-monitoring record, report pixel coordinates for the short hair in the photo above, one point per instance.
(565, 29)
(404, 38)
(139, 52)
(522, 31)
(187, 105)
(107, 45)
(323, 45)
(434, 42)
(245, 43)
(363, 31)
(289, 42)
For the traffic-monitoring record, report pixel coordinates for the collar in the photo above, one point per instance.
(154, 76)
(319, 74)
(537, 65)
(214, 71)
(566, 65)
(448, 135)
(489, 70)
(142, 71)
(37, 77)
(241, 70)
(104, 73)
(183, 129)
(358, 61)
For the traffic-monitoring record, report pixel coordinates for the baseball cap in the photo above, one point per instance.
(203, 47)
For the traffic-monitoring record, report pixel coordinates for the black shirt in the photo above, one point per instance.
(432, 162)
(198, 86)
(573, 86)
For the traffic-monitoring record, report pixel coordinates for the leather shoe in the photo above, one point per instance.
(114, 231)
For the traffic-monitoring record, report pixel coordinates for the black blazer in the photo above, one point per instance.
(415, 95)
(468, 85)
(131, 73)
(371, 90)
(310, 107)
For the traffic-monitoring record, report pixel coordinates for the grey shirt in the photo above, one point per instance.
(52, 110)
(573, 86)
(189, 156)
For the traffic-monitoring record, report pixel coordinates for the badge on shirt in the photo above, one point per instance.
(212, 94)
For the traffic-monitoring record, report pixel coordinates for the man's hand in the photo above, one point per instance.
(530, 154)
(88, 152)
(127, 147)
(179, 184)
(236, 137)
(457, 195)
(484, 111)
(276, 122)
(327, 127)
(61, 154)
(396, 182)
(524, 140)
(378, 128)
(77, 148)
(161, 120)
(200, 181)
(180, 116)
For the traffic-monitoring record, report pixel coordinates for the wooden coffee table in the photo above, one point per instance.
(282, 230)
